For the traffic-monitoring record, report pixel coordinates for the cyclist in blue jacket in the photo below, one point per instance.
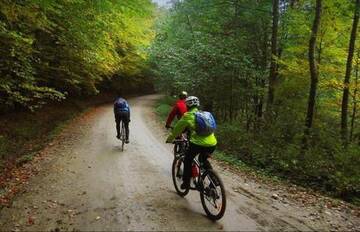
(122, 113)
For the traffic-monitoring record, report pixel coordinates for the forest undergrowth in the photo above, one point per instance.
(274, 158)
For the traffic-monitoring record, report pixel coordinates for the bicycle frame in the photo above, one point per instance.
(181, 144)
(180, 147)
(195, 179)
(207, 181)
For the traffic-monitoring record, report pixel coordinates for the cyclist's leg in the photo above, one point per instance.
(203, 158)
(117, 121)
(125, 120)
(191, 152)
(121, 118)
(126, 123)
(204, 155)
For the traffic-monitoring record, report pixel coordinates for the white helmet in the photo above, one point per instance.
(192, 101)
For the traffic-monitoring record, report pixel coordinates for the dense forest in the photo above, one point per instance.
(52, 50)
(281, 77)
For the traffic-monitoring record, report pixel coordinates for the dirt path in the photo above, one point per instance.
(87, 183)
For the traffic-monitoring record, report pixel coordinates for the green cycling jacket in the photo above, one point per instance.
(188, 121)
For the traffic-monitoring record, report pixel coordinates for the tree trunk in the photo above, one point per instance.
(313, 72)
(345, 99)
(191, 27)
(274, 50)
(231, 106)
(354, 110)
(235, 71)
(264, 66)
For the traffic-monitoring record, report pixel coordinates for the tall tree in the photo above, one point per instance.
(345, 99)
(314, 75)
(354, 97)
(274, 52)
(229, 66)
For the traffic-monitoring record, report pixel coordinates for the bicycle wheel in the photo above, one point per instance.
(177, 173)
(176, 149)
(122, 136)
(212, 195)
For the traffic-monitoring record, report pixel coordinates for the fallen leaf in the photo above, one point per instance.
(31, 220)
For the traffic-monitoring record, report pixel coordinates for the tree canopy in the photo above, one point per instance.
(53, 49)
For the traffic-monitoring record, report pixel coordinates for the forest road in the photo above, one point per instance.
(87, 183)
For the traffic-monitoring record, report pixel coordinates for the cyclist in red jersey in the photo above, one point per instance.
(179, 109)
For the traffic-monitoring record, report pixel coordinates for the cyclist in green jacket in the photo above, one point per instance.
(203, 145)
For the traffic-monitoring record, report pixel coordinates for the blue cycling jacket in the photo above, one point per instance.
(121, 105)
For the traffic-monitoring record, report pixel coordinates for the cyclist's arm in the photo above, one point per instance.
(171, 116)
(182, 109)
(180, 126)
(127, 105)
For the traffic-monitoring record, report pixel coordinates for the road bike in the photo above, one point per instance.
(204, 179)
(122, 135)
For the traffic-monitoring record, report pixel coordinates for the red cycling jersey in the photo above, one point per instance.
(179, 110)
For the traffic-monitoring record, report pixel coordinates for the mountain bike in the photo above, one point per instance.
(122, 134)
(204, 179)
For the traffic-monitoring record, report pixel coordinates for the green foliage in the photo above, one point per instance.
(53, 49)
(326, 165)
(163, 106)
(199, 47)
(219, 50)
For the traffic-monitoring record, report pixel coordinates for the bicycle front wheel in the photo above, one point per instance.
(212, 195)
(177, 173)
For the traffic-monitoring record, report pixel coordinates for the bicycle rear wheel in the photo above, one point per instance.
(212, 195)
(177, 173)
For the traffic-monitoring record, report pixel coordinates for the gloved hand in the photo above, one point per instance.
(167, 126)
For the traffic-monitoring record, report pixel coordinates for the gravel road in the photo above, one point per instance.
(85, 182)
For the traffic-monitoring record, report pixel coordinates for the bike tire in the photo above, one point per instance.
(214, 177)
(176, 149)
(174, 169)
